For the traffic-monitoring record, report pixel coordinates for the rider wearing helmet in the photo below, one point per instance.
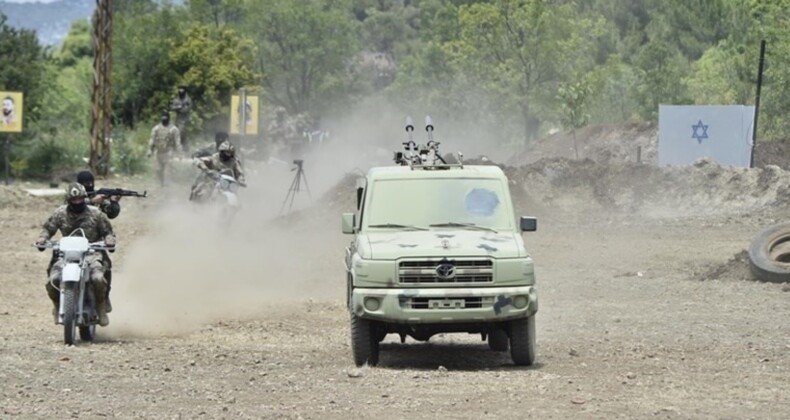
(76, 214)
(222, 162)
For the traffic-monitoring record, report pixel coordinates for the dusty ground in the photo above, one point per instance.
(639, 317)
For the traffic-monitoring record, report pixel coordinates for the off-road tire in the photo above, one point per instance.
(769, 254)
(364, 341)
(498, 340)
(522, 341)
(69, 314)
(88, 333)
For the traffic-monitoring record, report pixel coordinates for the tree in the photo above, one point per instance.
(305, 50)
(519, 50)
(212, 64)
(574, 99)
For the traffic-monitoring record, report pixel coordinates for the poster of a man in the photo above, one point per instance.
(11, 112)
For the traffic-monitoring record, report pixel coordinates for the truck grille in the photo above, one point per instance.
(463, 271)
(463, 302)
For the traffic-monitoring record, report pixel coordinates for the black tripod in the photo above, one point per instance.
(296, 186)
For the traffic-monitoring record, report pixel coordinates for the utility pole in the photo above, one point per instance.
(101, 110)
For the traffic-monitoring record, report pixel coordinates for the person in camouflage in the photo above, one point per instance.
(77, 214)
(165, 138)
(182, 105)
(108, 205)
(222, 162)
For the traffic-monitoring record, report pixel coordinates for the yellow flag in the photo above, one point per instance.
(250, 112)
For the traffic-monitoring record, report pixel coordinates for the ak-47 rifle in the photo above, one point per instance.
(109, 192)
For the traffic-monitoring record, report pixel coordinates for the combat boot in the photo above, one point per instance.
(101, 310)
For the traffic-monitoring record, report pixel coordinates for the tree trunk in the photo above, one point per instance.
(525, 116)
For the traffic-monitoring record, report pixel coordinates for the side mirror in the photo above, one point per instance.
(347, 223)
(528, 224)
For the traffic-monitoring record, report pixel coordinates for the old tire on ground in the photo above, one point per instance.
(498, 340)
(364, 341)
(769, 254)
(522, 341)
(69, 314)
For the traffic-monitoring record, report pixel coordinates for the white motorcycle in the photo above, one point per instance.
(224, 195)
(77, 309)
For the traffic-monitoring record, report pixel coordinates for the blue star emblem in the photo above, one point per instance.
(700, 131)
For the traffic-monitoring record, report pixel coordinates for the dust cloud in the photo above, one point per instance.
(189, 270)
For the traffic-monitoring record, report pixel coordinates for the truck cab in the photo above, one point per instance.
(437, 248)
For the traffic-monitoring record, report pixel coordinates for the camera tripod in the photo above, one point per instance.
(296, 186)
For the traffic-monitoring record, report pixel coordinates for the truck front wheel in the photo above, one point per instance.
(522, 341)
(364, 341)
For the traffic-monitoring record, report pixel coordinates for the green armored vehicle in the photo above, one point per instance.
(437, 249)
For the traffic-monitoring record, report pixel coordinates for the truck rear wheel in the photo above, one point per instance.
(364, 341)
(522, 341)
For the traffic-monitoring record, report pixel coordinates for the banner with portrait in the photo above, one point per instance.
(11, 110)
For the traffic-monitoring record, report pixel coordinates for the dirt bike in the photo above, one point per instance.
(77, 309)
(223, 194)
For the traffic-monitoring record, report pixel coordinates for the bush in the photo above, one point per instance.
(48, 156)
(129, 153)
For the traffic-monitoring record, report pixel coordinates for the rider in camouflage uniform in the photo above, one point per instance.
(164, 139)
(77, 214)
(224, 161)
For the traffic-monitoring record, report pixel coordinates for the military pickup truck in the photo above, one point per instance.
(437, 249)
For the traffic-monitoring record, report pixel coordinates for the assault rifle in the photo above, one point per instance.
(109, 192)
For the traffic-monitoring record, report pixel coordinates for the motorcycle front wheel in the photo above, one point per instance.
(69, 313)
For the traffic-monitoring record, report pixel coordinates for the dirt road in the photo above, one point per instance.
(629, 326)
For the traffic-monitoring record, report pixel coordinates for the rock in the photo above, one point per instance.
(573, 352)
(441, 369)
(578, 401)
(354, 373)
(630, 375)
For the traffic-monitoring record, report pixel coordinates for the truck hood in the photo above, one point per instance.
(443, 243)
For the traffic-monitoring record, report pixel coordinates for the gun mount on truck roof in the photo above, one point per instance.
(427, 156)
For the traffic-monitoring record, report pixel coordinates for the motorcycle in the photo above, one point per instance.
(77, 308)
(223, 194)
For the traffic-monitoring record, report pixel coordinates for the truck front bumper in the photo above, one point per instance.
(437, 306)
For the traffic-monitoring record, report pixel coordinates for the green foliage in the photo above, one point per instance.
(304, 50)
(130, 151)
(49, 155)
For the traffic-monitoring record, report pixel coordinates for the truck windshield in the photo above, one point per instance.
(444, 202)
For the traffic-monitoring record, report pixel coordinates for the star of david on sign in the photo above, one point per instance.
(700, 131)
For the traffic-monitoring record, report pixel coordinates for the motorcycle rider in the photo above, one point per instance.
(77, 214)
(219, 138)
(108, 205)
(112, 208)
(224, 161)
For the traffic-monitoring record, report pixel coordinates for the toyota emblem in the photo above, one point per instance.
(445, 271)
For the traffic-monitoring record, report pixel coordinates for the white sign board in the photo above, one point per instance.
(689, 132)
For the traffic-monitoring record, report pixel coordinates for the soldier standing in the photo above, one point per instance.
(165, 138)
(182, 105)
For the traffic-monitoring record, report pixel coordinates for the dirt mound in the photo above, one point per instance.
(605, 143)
(601, 143)
(736, 269)
(703, 189)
